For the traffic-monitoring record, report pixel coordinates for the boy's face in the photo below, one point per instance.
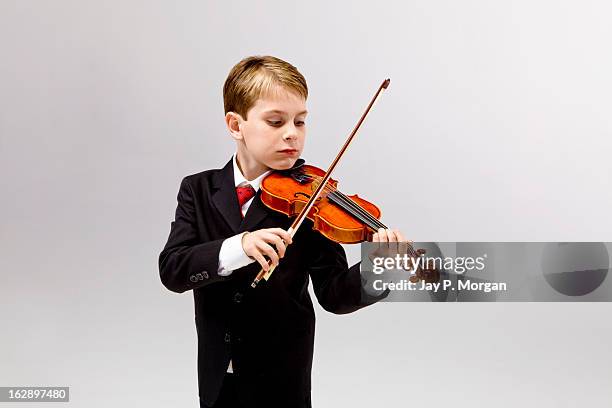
(273, 136)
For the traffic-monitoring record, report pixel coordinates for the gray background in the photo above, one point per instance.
(496, 127)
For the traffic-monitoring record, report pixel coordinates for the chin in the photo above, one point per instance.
(283, 164)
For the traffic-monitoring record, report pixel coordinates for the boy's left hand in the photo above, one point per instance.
(388, 235)
(395, 243)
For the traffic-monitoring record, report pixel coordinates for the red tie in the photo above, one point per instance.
(245, 193)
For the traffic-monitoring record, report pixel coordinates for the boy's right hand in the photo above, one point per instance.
(259, 244)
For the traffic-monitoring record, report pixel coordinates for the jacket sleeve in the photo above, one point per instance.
(338, 288)
(185, 263)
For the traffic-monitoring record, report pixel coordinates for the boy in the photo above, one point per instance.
(255, 346)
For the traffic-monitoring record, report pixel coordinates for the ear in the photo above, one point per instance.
(233, 121)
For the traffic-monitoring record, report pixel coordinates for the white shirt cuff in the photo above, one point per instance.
(232, 256)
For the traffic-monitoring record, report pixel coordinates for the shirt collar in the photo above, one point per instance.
(240, 179)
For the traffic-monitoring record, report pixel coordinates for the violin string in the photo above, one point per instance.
(353, 204)
(363, 216)
(358, 212)
(344, 202)
(356, 207)
(366, 217)
(334, 198)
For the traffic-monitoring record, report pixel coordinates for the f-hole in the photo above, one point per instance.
(299, 193)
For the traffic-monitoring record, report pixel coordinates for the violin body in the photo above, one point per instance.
(332, 215)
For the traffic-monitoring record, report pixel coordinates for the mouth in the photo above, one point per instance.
(289, 152)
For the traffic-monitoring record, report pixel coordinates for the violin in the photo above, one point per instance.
(339, 217)
(306, 191)
(346, 219)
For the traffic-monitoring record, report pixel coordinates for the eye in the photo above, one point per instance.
(274, 122)
(300, 123)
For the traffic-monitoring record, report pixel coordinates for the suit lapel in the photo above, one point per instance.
(256, 213)
(224, 197)
(225, 200)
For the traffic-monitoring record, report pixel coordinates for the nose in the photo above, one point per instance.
(290, 133)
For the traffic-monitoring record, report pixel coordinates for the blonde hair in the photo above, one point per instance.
(256, 76)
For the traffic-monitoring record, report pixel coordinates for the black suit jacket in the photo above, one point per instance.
(268, 332)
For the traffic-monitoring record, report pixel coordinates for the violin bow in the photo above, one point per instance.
(313, 198)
